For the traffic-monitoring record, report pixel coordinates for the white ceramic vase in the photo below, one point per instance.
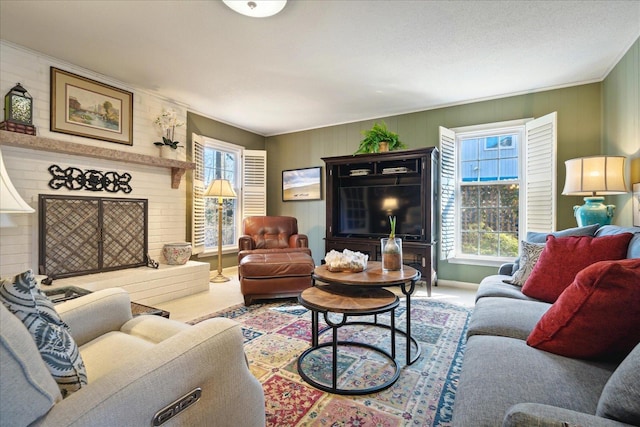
(167, 152)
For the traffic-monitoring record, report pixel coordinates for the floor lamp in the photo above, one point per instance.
(220, 188)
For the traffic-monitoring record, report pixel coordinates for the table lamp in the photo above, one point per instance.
(10, 200)
(594, 176)
(220, 188)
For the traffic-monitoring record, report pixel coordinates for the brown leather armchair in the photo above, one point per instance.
(274, 261)
(265, 234)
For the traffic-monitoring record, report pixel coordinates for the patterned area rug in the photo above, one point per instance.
(276, 334)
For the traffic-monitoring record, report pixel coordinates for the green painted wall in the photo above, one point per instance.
(579, 134)
(592, 119)
(621, 124)
(213, 129)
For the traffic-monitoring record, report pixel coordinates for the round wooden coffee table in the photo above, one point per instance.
(348, 301)
(375, 277)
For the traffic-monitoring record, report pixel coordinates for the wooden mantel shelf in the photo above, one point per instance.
(13, 139)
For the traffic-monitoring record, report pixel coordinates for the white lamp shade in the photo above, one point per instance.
(597, 175)
(220, 188)
(256, 8)
(10, 200)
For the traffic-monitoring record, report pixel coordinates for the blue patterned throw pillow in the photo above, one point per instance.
(529, 254)
(22, 296)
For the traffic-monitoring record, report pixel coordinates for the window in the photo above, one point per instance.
(497, 182)
(221, 161)
(246, 170)
(489, 188)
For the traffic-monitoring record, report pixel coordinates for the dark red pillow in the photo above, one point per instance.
(563, 257)
(597, 316)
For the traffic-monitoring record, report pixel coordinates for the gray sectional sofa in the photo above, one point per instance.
(505, 382)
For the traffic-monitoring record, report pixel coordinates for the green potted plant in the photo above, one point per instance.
(379, 139)
(391, 249)
(168, 122)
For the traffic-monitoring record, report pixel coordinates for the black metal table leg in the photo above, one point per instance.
(407, 293)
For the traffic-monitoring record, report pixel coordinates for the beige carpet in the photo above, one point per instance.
(224, 295)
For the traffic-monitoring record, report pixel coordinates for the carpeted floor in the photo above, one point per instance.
(276, 334)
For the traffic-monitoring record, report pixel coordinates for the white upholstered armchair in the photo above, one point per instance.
(138, 369)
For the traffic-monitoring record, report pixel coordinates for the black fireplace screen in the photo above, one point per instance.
(83, 235)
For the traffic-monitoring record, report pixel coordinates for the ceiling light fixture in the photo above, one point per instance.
(256, 8)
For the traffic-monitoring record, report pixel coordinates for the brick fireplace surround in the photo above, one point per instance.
(145, 285)
(161, 181)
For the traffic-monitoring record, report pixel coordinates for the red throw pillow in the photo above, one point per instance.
(597, 316)
(563, 257)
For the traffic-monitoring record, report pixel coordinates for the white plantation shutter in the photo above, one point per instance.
(447, 192)
(254, 188)
(540, 174)
(197, 214)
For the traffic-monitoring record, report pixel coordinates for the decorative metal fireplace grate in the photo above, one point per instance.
(83, 235)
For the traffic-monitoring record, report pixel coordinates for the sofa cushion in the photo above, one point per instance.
(495, 286)
(597, 316)
(22, 296)
(588, 230)
(540, 237)
(270, 232)
(112, 350)
(499, 372)
(506, 317)
(529, 254)
(28, 390)
(634, 244)
(562, 258)
(620, 399)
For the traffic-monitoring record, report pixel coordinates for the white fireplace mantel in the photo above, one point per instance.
(13, 139)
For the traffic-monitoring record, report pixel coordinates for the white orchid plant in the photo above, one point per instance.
(168, 122)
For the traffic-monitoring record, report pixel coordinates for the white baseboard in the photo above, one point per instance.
(456, 284)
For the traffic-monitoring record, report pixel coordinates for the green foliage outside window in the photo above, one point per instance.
(489, 222)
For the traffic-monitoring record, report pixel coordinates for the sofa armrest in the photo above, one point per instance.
(153, 328)
(536, 414)
(298, 241)
(507, 269)
(95, 314)
(245, 243)
(208, 355)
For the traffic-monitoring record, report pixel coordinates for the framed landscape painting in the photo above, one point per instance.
(85, 107)
(302, 184)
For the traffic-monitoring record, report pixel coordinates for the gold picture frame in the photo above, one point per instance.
(85, 107)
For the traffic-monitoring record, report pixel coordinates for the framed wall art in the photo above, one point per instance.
(302, 184)
(85, 107)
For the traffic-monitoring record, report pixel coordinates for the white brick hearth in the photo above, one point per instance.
(146, 285)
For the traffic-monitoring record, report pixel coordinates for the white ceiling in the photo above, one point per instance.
(319, 63)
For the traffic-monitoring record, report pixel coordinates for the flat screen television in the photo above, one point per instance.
(364, 211)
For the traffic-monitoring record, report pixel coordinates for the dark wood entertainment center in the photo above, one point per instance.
(349, 222)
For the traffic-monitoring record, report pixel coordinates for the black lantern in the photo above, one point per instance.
(18, 106)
